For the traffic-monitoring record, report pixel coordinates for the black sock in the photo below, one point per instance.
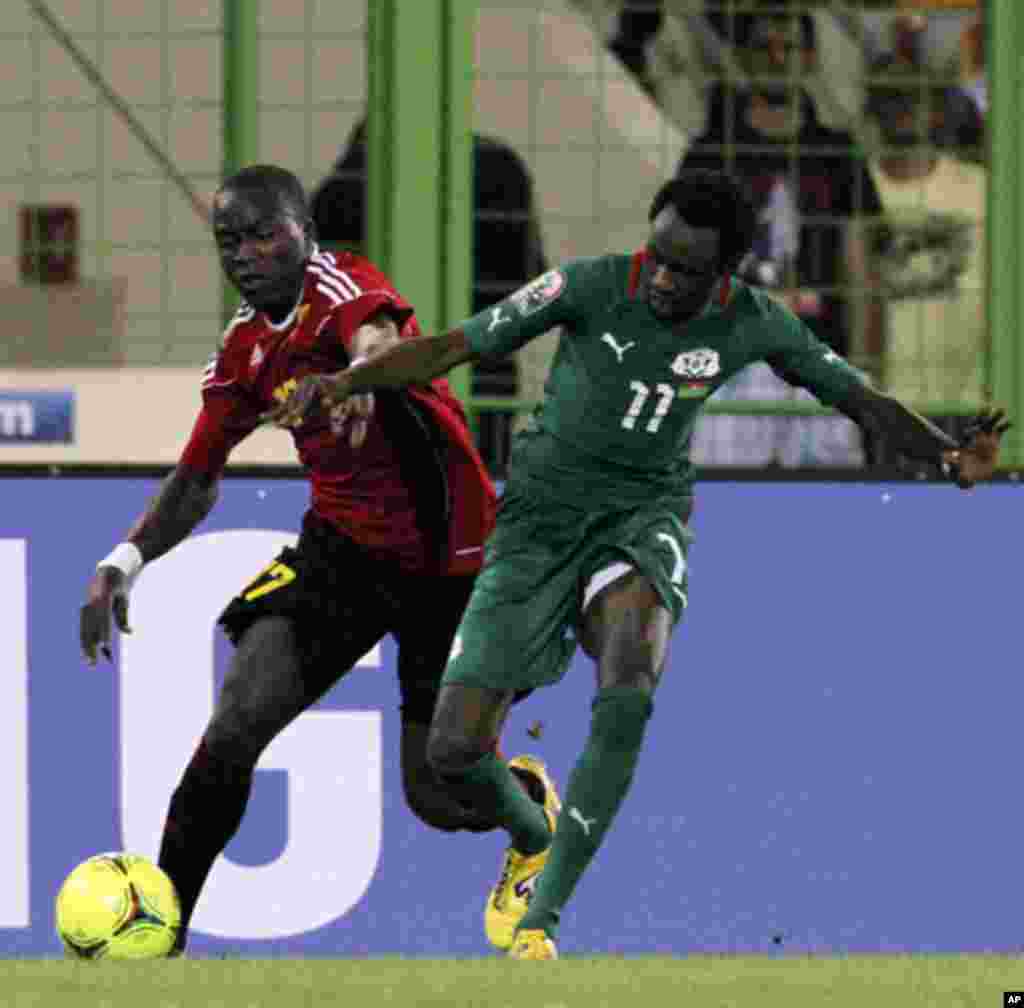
(205, 812)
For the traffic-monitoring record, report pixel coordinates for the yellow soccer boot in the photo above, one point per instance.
(532, 944)
(509, 899)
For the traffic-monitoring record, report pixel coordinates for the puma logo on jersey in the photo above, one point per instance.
(497, 318)
(578, 816)
(619, 350)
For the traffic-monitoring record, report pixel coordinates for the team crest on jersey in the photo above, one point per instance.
(697, 364)
(538, 293)
(257, 357)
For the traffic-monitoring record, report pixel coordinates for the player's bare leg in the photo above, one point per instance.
(426, 794)
(461, 751)
(517, 795)
(626, 630)
(263, 692)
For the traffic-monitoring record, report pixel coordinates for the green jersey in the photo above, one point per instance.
(625, 387)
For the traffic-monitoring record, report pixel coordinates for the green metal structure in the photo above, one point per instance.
(241, 93)
(420, 199)
(1005, 44)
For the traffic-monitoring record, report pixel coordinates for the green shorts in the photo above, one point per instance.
(545, 563)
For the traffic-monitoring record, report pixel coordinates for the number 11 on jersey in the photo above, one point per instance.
(641, 393)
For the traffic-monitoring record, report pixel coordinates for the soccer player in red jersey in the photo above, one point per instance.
(401, 506)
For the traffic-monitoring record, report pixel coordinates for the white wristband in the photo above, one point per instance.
(127, 558)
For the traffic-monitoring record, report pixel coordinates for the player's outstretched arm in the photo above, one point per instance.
(373, 337)
(185, 499)
(409, 362)
(970, 460)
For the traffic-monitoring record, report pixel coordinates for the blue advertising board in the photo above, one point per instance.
(37, 416)
(832, 765)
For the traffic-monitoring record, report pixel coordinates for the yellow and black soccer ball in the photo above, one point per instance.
(118, 906)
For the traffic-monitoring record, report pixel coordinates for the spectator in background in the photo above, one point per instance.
(972, 62)
(507, 250)
(929, 243)
(948, 42)
(969, 126)
(813, 191)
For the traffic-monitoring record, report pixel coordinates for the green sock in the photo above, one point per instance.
(492, 790)
(597, 787)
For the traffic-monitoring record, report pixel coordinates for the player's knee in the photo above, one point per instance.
(240, 728)
(252, 708)
(227, 736)
(634, 666)
(634, 649)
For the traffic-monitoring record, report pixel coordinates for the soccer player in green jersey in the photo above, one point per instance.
(591, 540)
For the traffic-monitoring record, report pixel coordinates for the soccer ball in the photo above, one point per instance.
(118, 906)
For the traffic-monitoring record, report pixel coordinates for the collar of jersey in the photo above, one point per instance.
(720, 299)
(289, 319)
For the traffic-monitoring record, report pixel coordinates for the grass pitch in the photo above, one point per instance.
(696, 982)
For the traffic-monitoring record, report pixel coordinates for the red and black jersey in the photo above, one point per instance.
(417, 489)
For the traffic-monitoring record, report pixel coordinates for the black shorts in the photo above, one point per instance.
(342, 600)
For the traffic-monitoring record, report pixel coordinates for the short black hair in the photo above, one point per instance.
(712, 199)
(290, 192)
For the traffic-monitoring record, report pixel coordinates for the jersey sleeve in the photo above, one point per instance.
(352, 314)
(801, 359)
(357, 292)
(227, 417)
(554, 298)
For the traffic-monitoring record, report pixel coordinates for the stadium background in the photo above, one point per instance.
(218, 85)
(835, 802)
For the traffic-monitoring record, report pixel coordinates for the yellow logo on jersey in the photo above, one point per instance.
(285, 389)
(301, 314)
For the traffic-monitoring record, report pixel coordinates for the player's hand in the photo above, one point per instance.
(355, 411)
(107, 594)
(978, 455)
(313, 395)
